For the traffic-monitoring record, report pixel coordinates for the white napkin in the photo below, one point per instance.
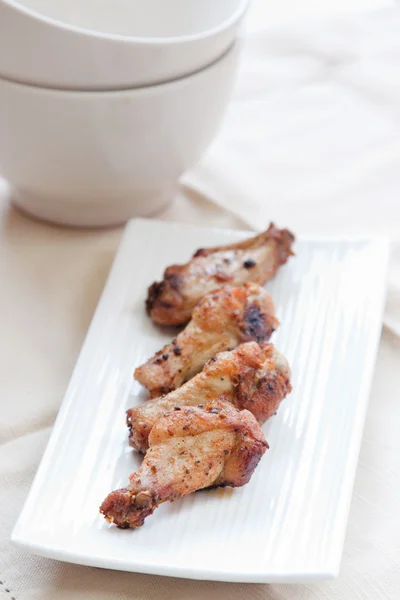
(312, 137)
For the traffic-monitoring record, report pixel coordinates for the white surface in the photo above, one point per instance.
(265, 13)
(167, 40)
(95, 159)
(289, 522)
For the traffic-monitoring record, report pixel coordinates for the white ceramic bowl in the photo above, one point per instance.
(113, 44)
(98, 158)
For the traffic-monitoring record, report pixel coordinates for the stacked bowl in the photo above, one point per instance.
(104, 104)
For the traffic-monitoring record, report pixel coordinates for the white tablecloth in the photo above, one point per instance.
(312, 141)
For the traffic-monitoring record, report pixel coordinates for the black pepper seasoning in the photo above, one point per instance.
(249, 263)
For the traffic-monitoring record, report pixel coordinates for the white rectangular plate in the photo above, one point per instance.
(288, 523)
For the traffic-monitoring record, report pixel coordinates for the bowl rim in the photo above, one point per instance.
(233, 50)
(126, 39)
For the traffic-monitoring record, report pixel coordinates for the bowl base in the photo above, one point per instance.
(81, 214)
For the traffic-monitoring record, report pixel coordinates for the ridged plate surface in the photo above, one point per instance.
(288, 523)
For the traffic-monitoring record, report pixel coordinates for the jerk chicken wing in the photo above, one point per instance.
(171, 301)
(223, 319)
(190, 448)
(252, 377)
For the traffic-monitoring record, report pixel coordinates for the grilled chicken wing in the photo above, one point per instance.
(171, 301)
(190, 448)
(223, 319)
(251, 377)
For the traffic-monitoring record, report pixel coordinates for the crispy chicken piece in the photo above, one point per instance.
(171, 301)
(223, 319)
(190, 448)
(251, 377)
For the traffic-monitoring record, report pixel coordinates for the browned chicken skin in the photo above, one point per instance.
(252, 377)
(223, 319)
(190, 448)
(171, 301)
